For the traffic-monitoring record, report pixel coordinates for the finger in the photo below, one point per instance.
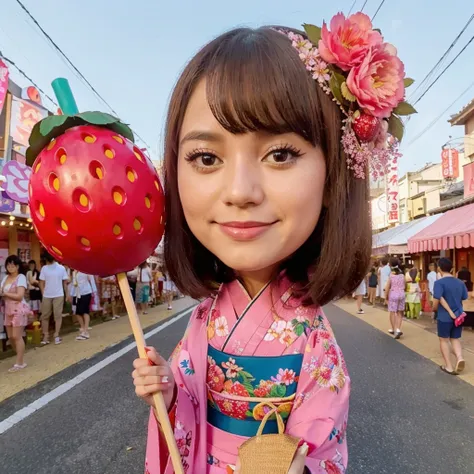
(147, 370)
(154, 357)
(140, 363)
(297, 466)
(147, 390)
(151, 380)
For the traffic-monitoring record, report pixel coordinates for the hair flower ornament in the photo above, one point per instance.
(365, 77)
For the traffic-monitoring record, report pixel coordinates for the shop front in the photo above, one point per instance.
(452, 236)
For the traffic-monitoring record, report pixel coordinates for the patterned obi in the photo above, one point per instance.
(239, 386)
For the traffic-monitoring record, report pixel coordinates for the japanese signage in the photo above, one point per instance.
(3, 83)
(450, 163)
(393, 210)
(24, 118)
(468, 179)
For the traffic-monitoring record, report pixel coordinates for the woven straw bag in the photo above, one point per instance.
(269, 453)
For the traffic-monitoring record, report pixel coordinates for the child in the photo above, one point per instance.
(413, 295)
(268, 220)
(373, 282)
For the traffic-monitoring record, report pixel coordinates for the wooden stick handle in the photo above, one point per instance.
(160, 406)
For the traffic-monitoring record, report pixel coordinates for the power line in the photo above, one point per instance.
(363, 6)
(444, 70)
(28, 78)
(428, 76)
(352, 6)
(60, 51)
(375, 14)
(434, 121)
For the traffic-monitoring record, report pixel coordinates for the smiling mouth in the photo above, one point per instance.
(244, 231)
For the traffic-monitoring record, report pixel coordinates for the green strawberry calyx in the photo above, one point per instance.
(55, 125)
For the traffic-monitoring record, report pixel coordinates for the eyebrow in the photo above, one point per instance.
(202, 136)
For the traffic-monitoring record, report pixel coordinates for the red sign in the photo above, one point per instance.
(468, 179)
(450, 163)
(3, 83)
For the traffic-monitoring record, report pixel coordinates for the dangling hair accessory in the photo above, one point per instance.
(364, 76)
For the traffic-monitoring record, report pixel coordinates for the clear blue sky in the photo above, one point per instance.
(133, 51)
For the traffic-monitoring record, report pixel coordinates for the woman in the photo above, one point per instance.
(395, 293)
(143, 287)
(373, 282)
(13, 288)
(413, 295)
(32, 277)
(168, 290)
(109, 294)
(359, 294)
(465, 276)
(266, 223)
(83, 286)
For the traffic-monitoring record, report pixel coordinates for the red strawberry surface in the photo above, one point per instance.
(96, 201)
(366, 127)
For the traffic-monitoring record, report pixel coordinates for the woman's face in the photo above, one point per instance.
(12, 268)
(32, 266)
(251, 199)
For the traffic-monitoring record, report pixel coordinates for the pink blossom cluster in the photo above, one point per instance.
(375, 73)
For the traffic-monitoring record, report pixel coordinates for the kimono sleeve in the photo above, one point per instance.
(321, 407)
(183, 414)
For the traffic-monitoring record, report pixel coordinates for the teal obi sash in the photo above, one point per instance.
(233, 382)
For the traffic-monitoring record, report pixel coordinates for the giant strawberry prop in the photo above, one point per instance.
(95, 198)
(97, 205)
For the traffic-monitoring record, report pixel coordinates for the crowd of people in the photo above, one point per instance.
(33, 293)
(398, 288)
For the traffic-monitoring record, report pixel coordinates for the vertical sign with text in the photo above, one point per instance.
(393, 205)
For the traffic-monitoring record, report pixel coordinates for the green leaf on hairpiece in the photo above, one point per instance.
(408, 81)
(395, 127)
(346, 93)
(313, 33)
(335, 87)
(404, 108)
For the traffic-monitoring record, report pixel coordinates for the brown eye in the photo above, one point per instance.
(208, 160)
(281, 156)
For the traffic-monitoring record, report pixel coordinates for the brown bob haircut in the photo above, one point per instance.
(256, 81)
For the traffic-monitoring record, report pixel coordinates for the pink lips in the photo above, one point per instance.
(243, 231)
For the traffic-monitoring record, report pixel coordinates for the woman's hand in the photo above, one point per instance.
(297, 466)
(150, 379)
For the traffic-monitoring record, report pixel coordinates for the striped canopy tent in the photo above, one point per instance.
(455, 229)
(395, 240)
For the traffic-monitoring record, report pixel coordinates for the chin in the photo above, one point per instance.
(249, 258)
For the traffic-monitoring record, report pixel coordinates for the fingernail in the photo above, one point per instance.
(164, 379)
(304, 449)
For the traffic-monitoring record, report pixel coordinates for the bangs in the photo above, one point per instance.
(256, 81)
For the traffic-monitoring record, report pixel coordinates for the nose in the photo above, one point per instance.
(243, 184)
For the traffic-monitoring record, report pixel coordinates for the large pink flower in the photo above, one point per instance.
(377, 82)
(349, 40)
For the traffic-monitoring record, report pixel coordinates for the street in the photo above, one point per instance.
(406, 415)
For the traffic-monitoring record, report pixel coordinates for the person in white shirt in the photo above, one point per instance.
(53, 284)
(13, 288)
(432, 277)
(385, 271)
(143, 287)
(83, 286)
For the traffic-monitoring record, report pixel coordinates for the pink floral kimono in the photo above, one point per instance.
(239, 353)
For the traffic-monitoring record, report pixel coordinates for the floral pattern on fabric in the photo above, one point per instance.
(334, 465)
(183, 440)
(230, 379)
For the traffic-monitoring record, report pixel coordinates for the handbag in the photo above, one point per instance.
(269, 453)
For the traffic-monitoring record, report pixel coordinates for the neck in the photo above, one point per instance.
(254, 281)
(446, 274)
(13, 274)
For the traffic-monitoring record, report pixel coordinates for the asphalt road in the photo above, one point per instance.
(406, 415)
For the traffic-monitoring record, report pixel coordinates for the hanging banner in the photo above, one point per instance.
(17, 177)
(450, 163)
(24, 117)
(393, 205)
(3, 83)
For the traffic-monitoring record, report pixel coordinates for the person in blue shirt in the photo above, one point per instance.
(448, 294)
